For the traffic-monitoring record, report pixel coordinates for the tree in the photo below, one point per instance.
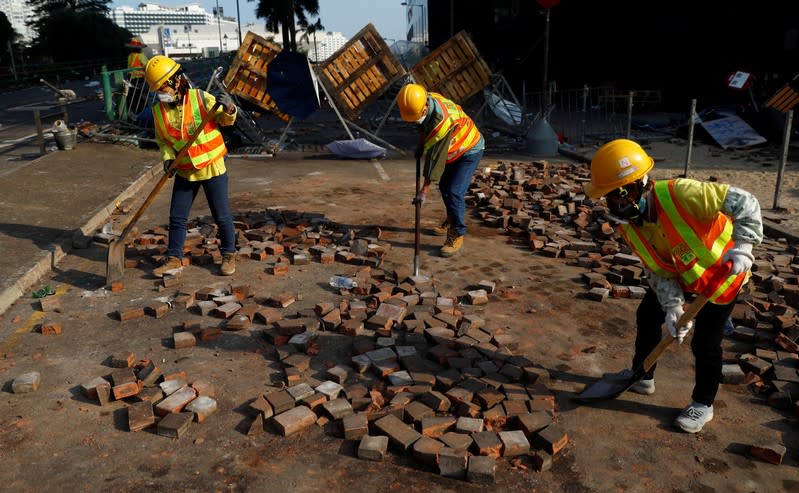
(45, 8)
(281, 14)
(7, 34)
(67, 35)
(310, 30)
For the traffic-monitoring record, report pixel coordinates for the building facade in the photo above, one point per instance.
(321, 45)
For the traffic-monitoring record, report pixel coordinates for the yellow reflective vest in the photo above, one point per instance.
(696, 248)
(137, 61)
(464, 136)
(209, 145)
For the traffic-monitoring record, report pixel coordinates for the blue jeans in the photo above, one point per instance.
(453, 184)
(183, 194)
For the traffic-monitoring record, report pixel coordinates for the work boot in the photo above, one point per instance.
(441, 230)
(453, 244)
(171, 263)
(694, 417)
(228, 264)
(645, 386)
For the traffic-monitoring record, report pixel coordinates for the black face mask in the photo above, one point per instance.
(632, 212)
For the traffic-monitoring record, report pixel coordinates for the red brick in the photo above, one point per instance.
(175, 402)
(50, 327)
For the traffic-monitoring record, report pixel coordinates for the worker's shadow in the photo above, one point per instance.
(50, 240)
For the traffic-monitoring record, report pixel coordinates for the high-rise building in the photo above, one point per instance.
(323, 44)
(17, 13)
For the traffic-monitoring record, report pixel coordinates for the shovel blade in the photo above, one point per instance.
(115, 262)
(606, 388)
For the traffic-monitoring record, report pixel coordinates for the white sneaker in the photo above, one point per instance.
(694, 417)
(644, 386)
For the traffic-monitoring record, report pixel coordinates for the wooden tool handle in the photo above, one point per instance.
(158, 186)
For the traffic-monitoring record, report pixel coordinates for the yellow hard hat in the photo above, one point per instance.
(616, 164)
(411, 100)
(158, 70)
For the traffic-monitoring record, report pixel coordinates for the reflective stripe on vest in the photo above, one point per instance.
(135, 60)
(697, 248)
(464, 137)
(209, 145)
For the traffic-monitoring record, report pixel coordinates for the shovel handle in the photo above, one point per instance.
(158, 186)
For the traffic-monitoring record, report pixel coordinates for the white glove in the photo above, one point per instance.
(741, 257)
(673, 314)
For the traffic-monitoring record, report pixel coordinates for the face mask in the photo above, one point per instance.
(421, 119)
(165, 97)
(631, 212)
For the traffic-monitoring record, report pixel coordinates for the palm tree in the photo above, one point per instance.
(311, 29)
(281, 15)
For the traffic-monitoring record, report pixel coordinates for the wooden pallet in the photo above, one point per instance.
(784, 100)
(246, 77)
(455, 69)
(360, 71)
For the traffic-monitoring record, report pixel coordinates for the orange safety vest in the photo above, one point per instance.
(209, 145)
(136, 60)
(464, 137)
(696, 246)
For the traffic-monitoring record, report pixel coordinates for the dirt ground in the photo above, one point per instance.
(57, 439)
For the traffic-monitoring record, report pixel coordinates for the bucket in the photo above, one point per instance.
(66, 139)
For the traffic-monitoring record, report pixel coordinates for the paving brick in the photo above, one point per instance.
(514, 443)
(294, 420)
(460, 441)
(300, 391)
(50, 304)
(156, 309)
(542, 460)
(355, 426)
(452, 463)
(149, 374)
(416, 411)
(552, 439)
(330, 388)
(373, 448)
(772, 453)
(436, 401)
(425, 450)
(203, 387)
(299, 361)
(124, 390)
(400, 435)
(338, 408)
(140, 415)
(435, 426)
(123, 359)
(202, 407)
(469, 425)
(206, 307)
(50, 327)
(176, 401)
(183, 340)
(481, 469)
(534, 422)
(487, 443)
(150, 394)
(174, 425)
(89, 389)
(261, 406)
(26, 382)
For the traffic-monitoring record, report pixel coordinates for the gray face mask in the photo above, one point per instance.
(165, 97)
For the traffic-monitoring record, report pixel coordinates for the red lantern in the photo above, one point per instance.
(548, 4)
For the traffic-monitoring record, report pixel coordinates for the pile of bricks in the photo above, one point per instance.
(167, 401)
(542, 205)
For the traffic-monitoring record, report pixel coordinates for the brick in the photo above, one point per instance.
(123, 359)
(425, 450)
(487, 443)
(459, 441)
(542, 460)
(515, 408)
(140, 415)
(171, 386)
(176, 401)
(355, 426)
(206, 307)
(178, 375)
(149, 394)
(469, 425)
(282, 300)
(400, 435)
(238, 321)
(514, 443)
(373, 448)
(481, 469)
(294, 420)
(772, 453)
(26, 383)
(268, 315)
(416, 411)
(338, 374)
(89, 389)
(50, 327)
(300, 391)
(50, 304)
(552, 439)
(534, 422)
(280, 400)
(124, 390)
(330, 389)
(209, 334)
(174, 425)
(436, 401)
(435, 426)
(227, 310)
(260, 406)
(183, 340)
(452, 463)
(149, 374)
(202, 407)
(156, 309)
(103, 392)
(732, 374)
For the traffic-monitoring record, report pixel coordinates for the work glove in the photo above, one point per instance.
(740, 256)
(167, 166)
(419, 199)
(673, 314)
(227, 101)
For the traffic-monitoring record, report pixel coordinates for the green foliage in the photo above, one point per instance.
(7, 32)
(68, 35)
(285, 15)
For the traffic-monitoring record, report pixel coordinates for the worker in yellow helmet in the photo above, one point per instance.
(452, 147)
(178, 112)
(137, 60)
(693, 238)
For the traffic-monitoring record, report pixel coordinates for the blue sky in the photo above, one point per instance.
(344, 16)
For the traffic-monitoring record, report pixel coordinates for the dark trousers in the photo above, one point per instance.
(705, 338)
(183, 195)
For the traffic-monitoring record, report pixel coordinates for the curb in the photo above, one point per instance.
(47, 260)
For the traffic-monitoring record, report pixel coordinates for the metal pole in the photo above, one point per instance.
(630, 113)
(544, 89)
(786, 141)
(13, 67)
(691, 120)
(238, 20)
(219, 25)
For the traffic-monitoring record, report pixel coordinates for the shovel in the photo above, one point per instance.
(610, 388)
(115, 260)
(417, 233)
